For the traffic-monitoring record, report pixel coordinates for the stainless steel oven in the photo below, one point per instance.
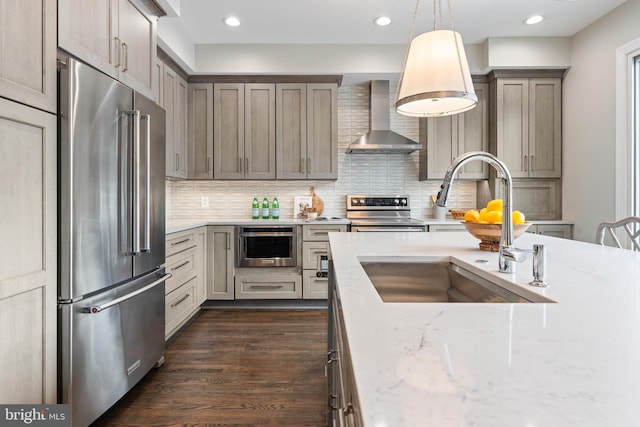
(267, 246)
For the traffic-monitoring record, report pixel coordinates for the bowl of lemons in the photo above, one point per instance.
(486, 224)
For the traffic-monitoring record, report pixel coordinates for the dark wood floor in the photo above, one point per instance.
(235, 368)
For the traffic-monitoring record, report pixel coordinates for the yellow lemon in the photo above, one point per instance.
(494, 217)
(517, 217)
(482, 215)
(495, 205)
(472, 215)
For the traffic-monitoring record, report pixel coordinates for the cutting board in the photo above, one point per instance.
(316, 201)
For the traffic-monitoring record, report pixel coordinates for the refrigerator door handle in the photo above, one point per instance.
(136, 181)
(98, 308)
(146, 243)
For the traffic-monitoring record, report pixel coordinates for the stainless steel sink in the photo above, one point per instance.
(437, 281)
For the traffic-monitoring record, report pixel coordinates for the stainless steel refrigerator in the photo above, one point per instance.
(111, 230)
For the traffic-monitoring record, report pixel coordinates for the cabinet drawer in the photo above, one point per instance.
(314, 287)
(269, 286)
(177, 242)
(320, 233)
(311, 252)
(179, 304)
(182, 267)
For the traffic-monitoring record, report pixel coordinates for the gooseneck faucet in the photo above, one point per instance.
(506, 261)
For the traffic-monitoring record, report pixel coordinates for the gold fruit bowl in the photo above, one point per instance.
(489, 234)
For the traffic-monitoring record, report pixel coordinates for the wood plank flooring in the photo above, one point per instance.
(235, 368)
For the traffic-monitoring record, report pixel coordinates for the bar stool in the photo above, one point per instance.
(630, 225)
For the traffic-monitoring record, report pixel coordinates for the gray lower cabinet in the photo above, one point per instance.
(220, 262)
(315, 252)
(564, 231)
(185, 290)
(344, 408)
(268, 283)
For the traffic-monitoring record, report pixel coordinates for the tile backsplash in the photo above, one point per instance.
(357, 174)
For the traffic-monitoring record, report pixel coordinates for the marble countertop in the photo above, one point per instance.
(174, 226)
(569, 363)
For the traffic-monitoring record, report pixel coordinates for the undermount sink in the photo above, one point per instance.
(438, 282)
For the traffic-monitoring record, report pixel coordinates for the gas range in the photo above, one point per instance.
(381, 213)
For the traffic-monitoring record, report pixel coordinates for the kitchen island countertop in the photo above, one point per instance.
(572, 362)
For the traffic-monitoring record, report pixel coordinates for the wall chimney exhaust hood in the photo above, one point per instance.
(380, 139)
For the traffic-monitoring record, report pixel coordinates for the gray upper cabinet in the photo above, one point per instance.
(27, 58)
(200, 147)
(259, 131)
(445, 138)
(118, 37)
(174, 101)
(228, 131)
(274, 130)
(291, 131)
(306, 131)
(244, 131)
(527, 132)
(322, 131)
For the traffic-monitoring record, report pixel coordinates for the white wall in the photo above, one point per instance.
(589, 118)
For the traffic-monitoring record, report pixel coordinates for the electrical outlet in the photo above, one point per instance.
(204, 201)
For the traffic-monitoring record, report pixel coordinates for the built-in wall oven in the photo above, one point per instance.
(267, 246)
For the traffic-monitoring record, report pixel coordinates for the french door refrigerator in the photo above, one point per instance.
(111, 230)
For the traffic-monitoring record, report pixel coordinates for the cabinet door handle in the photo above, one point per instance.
(228, 241)
(246, 164)
(177, 267)
(180, 300)
(180, 242)
(208, 164)
(526, 165)
(266, 287)
(532, 166)
(125, 50)
(240, 164)
(118, 53)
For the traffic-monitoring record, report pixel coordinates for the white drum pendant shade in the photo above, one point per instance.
(436, 79)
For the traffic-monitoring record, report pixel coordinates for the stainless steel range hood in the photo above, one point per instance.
(380, 139)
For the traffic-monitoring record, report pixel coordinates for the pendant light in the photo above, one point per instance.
(435, 78)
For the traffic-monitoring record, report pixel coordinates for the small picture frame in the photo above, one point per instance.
(301, 206)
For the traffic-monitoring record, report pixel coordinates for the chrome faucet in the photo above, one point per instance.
(506, 264)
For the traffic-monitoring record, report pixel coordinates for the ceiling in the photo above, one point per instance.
(351, 21)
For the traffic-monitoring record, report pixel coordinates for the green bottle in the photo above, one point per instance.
(265, 208)
(255, 208)
(275, 208)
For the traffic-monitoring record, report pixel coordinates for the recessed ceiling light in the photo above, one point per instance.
(382, 21)
(231, 21)
(534, 19)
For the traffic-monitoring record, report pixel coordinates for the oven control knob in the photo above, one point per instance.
(396, 202)
(362, 202)
(403, 202)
